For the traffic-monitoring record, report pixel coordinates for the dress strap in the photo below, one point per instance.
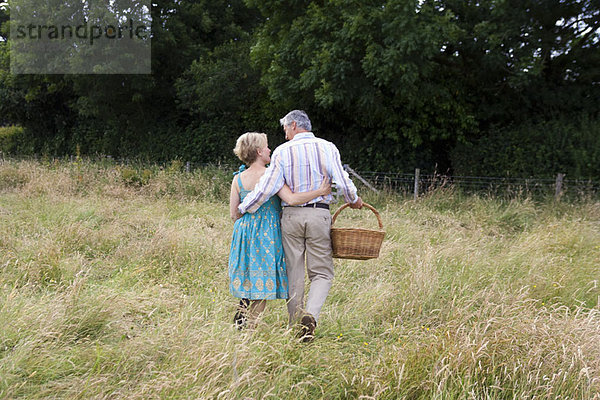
(239, 176)
(238, 173)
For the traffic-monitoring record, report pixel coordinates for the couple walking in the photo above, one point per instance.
(270, 249)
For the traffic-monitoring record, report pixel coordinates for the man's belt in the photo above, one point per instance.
(315, 205)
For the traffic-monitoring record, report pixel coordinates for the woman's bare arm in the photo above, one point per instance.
(234, 201)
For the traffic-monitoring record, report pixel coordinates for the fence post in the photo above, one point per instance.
(558, 186)
(187, 167)
(417, 173)
(360, 178)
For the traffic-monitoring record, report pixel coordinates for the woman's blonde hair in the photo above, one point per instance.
(247, 145)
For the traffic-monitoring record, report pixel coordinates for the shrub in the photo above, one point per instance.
(9, 138)
(135, 177)
(536, 149)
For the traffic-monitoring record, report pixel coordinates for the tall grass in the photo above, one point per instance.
(113, 284)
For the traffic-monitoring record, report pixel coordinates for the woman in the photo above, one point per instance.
(256, 261)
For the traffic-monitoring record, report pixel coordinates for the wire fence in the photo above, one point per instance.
(418, 183)
(409, 183)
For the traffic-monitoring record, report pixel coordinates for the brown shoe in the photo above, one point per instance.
(307, 330)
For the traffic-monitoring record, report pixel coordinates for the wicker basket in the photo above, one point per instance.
(356, 243)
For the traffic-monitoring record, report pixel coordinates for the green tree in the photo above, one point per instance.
(368, 70)
(125, 114)
(522, 60)
(531, 69)
(140, 112)
(222, 96)
(397, 84)
(430, 73)
(4, 17)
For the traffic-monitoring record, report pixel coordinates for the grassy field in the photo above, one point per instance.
(113, 284)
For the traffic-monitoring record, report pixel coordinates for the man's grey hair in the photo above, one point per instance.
(299, 117)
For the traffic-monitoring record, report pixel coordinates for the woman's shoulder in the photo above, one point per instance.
(249, 180)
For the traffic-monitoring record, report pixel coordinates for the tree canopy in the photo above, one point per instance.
(395, 84)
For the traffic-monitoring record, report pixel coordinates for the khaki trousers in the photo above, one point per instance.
(307, 243)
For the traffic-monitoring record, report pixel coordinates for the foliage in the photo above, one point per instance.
(123, 115)
(221, 95)
(396, 84)
(4, 18)
(135, 178)
(366, 72)
(542, 150)
(435, 72)
(522, 61)
(9, 137)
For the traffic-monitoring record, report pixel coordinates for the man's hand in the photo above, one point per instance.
(357, 204)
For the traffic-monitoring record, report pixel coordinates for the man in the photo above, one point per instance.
(303, 162)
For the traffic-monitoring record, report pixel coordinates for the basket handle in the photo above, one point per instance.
(370, 207)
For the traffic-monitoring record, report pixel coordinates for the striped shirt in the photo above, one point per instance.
(302, 163)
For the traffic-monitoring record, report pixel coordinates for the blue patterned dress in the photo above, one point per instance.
(256, 260)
